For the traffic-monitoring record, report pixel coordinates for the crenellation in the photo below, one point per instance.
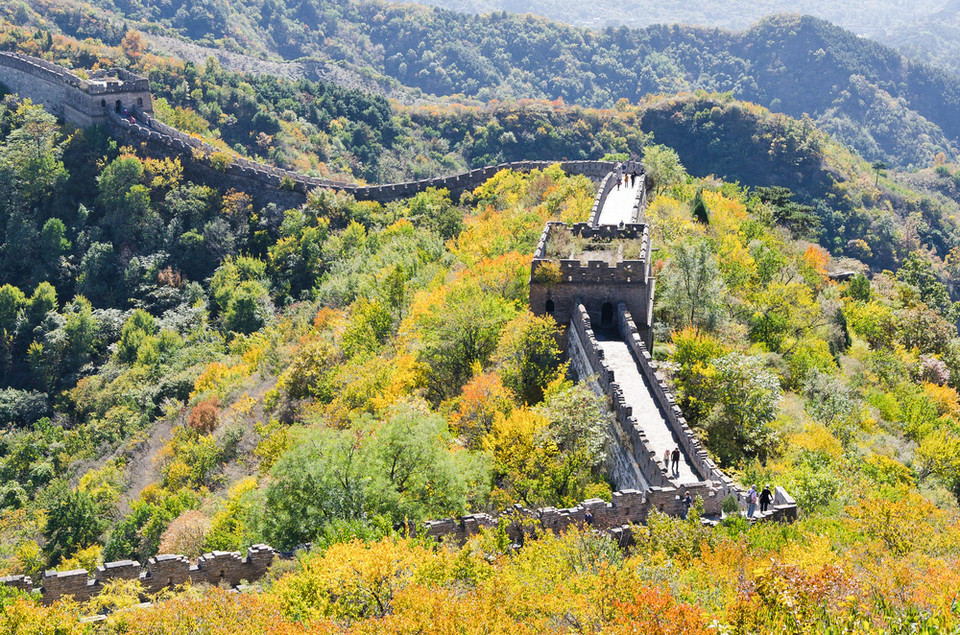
(19, 582)
(120, 570)
(160, 572)
(76, 583)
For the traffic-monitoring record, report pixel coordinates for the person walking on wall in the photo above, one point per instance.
(676, 461)
(666, 459)
(765, 497)
(751, 501)
(687, 501)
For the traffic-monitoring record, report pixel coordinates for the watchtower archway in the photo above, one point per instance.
(606, 315)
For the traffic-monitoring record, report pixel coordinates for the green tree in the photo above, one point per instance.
(53, 244)
(694, 290)
(12, 301)
(748, 397)
(859, 288)
(249, 308)
(878, 167)
(138, 327)
(662, 164)
(73, 523)
(414, 471)
(433, 211)
(458, 335)
(918, 272)
(528, 356)
(43, 300)
(699, 207)
(97, 277)
(31, 154)
(321, 479)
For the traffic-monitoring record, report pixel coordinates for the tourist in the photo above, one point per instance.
(765, 497)
(687, 501)
(666, 459)
(751, 500)
(633, 179)
(676, 461)
(588, 518)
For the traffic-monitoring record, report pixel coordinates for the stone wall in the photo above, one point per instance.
(94, 101)
(29, 77)
(160, 572)
(596, 283)
(784, 507)
(82, 102)
(269, 184)
(586, 359)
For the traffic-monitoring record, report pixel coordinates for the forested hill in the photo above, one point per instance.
(926, 29)
(866, 94)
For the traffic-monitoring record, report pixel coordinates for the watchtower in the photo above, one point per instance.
(82, 102)
(597, 267)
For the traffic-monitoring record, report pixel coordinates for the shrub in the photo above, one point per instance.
(220, 161)
(730, 505)
(548, 273)
(22, 407)
(186, 534)
(205, 416)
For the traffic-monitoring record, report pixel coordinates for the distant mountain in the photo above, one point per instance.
(926, 29)
(868, 95)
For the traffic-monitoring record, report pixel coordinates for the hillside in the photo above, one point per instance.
(184, 369)
(881, 104)
(189, 413)
(926, 30)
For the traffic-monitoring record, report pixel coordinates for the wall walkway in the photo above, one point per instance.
(624, 205)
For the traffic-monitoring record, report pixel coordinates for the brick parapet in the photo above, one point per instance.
(574, 271)
(609, 182)
(784, 505)
(81, 102)
(160, 572)
(244, 173)
(647, 460)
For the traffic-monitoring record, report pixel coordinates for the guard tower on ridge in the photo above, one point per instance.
(598, 267)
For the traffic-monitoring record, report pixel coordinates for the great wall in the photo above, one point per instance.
(594, 278)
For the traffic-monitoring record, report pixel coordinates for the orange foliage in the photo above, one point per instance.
(483, 397)
(655, 612)
(816, 259)
(205, 416)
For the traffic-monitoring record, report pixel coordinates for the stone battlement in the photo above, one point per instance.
(598, 266)
(160, 572)
(82, 102)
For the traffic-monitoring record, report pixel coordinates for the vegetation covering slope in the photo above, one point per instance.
(885, 106)
(414, 383)
(183, 372)
(926, 30)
